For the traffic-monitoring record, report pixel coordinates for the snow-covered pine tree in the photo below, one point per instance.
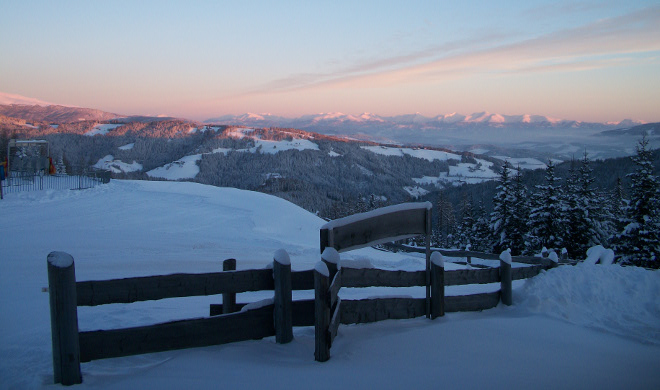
(639, 242)
(546, 217)
(445, 222)
(585, 227)
(617, 209)
(501, 219)
(463, 234)
(481, 237)
(519, 215)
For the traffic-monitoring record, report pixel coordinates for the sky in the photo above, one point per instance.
(579, 60)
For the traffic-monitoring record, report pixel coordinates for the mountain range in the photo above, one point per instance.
(483, 132)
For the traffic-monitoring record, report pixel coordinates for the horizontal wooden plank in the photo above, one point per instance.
(303, 313)
(215, 309)
(101, 292)
(472, 276)
(333, 327)
(333, 291)
(368, 277)
(474, 302)
(526, 272)
(201, 332)
(372, 310)
(478, 255)
(302, 280)
(357, 234)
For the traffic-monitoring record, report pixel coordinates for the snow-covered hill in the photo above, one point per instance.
(586, 327)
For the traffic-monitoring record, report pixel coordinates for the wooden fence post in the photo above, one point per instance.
(505, 278)
(229, 299)
(330, 257)
(437, 285)
(283, 311)
(321, 312)
(64, 318)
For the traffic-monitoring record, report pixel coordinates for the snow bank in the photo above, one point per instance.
(597, 254)
(109, 163)
(620, 300)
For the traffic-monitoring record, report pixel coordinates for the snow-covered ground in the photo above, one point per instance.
(582, 327)
(427, 154)
(102, 129)
(117, 166)
(183, 168)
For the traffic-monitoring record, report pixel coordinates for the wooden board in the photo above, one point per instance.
(472, 276)
(248, 325)
(101, 292)
(303, 313)
(302, 280)
(360, 233)
(372, 310)
(333, 327)
(474, 302)
(333, 291)
(368, 277)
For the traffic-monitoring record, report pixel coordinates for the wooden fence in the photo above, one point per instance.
(385, 225)
(230, 321)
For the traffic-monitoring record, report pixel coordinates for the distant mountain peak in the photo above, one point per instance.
(10, 98)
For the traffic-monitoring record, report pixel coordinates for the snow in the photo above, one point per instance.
(257, 304)
(184, 168)
(322, 268)
(109, 163)
(332, 153)
(598, 254)
(438, 259)
(416, 191)
(330, 255)
(377, 213)
(506, 256)
(589, 326)
(127, 146)
(426, 154)
(60, 259)
(102, 129)
(282, 257)
(273, 147)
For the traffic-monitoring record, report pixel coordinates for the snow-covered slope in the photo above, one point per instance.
(587, 327)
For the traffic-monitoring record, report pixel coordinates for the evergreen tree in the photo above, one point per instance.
(445, 223)
(585, 227)
(617, 210)
(481, 237)
(519, 215)
(501, 219)
(639, 242)
(464, 231)
(546, 217)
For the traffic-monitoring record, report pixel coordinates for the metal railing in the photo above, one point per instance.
(28, 181)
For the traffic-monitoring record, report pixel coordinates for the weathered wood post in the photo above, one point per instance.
(505, 278)
(330, 257)
(321, 312)
(229, 299)
(283, 302)
(437, 285)
(427, 238)
(64, 318)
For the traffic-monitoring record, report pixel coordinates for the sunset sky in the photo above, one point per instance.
(581, 60)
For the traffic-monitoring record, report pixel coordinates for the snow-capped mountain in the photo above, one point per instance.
(455, 130)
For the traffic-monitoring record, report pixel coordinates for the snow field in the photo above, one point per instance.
(588, 326)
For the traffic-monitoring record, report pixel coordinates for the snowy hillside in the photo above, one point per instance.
(586, 327)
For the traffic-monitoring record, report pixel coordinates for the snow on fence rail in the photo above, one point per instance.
(394, 223)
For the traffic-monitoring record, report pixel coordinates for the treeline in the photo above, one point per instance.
(563, 214)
